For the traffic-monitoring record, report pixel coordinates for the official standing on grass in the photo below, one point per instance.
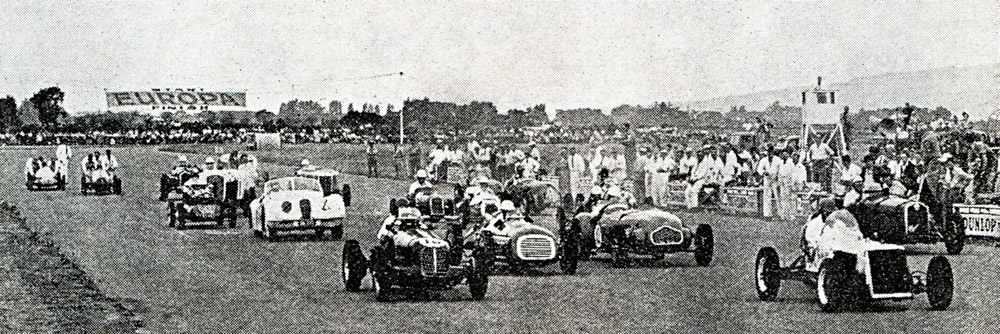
(414, 163)
(372, 159)
(398, 160)
(577, 172)
(767, 167)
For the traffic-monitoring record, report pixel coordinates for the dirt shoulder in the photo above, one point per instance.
(42, 291)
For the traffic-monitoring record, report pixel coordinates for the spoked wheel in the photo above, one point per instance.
(940, 283)
(354, 266)
(767, 274)
(569, 247)
(704, 244)
(179, 216)
(478, 276)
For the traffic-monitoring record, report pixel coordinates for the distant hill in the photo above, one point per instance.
(974, 89)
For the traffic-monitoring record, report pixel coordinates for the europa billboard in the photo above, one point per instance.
(176, 100)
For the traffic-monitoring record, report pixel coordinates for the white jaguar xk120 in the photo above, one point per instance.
(297, 204)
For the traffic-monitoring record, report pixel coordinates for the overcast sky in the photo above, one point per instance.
(515, 54)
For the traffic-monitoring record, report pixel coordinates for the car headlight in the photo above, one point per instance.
(286, 207)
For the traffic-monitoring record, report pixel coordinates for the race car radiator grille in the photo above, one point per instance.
(536, 247)
(666, 236)
(434, 262)
(436, 206)
(889, 272)
(916, 216)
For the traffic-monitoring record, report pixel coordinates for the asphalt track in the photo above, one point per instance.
(224, 280)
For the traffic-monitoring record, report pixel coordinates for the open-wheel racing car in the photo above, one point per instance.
(45, 178)
(297, 204)
(621, 230)
(209, 198)
(100, 182)
(170, 183)
(516, 240)
(898, 220)
(849, 270)
(328, 179)
(414, 254)
(534, 195)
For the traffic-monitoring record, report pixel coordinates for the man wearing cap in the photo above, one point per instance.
(421, 182)
(305, 166)
(209, 163)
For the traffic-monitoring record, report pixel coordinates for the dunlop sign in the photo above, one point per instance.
(176, 100)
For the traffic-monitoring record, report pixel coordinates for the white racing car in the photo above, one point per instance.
(849, 270)
(297, 204)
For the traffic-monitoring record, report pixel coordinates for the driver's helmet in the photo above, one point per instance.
(614, 193)
(482, 180)
(305, 162)
(408, 217)
(421, 174)
(182, 160)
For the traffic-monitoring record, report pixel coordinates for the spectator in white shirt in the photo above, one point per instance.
(767, 168)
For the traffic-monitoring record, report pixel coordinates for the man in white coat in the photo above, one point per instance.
(577, 172)
(64, 153)
(767, 167)
(660, 171)
(597, 163)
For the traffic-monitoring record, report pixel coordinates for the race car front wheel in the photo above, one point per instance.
(940, 283)
(354, 266)
(704, 244)
(768, 274)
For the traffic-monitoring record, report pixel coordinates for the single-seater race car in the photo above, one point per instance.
(848, 269)
(535, 195)
(171, 182)
(206, 198)
(515, 240)
(328, 179)
(100, 181)
(297, 204)
(611, 225)
(45, 175)
(898, 220)
(418, 253)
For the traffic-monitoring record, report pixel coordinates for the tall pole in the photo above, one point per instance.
(401, 125)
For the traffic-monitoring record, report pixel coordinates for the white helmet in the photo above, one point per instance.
(305, 162)
(507, 206)
(482, 179)
(209, 160)
(615, 192)
(182, 158)
(421, 174)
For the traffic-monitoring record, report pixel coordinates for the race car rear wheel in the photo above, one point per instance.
(704, 244)
(569, 247)
(354, 266)
(767, 274)
(940, 283)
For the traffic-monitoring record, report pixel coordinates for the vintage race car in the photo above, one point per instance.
(328, 178)
(434, 202)
(518, 241)
(297, 204)
(210, 198)
(418, 256)
(102, 183)
(853, 271)
(621, 231)
(898, 220)
(45, 180)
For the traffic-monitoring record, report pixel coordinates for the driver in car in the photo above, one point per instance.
(831, 229)
(421, 182)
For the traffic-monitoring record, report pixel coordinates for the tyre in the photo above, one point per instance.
(337, 232)
(346, 195)
(838, 285)
(768, 270)
(704, 245)
(569, 247)
(954, 236)
(382, 285)
(393, 207)
(354, 266)
(179, 213)
(171, 215)
(477, 276)
(940, 283)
